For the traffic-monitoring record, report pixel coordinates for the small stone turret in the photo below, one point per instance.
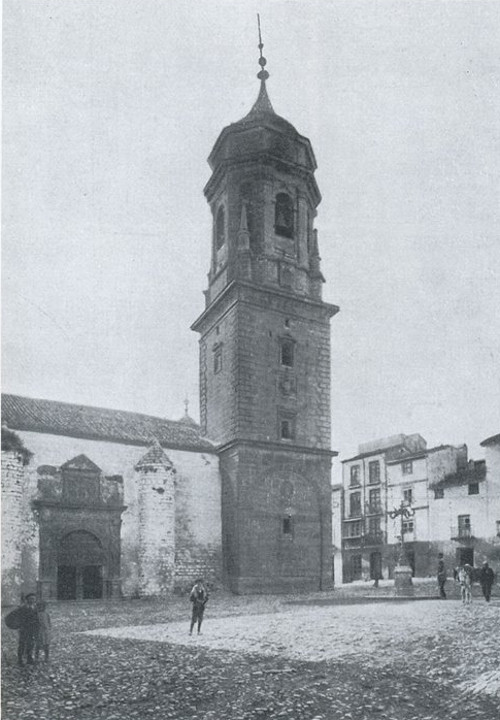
(156, 493)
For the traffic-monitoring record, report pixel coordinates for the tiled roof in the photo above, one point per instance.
(493, 440)
(473, 473)
(389, 452)
(154, 456)
(59, 418)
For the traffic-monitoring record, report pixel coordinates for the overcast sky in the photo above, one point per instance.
(111, 108)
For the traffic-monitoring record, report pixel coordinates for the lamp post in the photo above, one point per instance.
(402, 571)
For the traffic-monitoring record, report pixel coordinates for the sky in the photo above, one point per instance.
(110, 109)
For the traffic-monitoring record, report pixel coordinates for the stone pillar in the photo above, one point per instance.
(156, 551)
(302, 232)
(13, 515)
(402, 580)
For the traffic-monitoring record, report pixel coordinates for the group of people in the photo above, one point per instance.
(465, 575)
(32, 621)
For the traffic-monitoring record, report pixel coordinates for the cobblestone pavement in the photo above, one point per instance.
(377, 633)
(260, 658)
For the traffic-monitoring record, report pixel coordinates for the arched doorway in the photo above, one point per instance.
(80, 565)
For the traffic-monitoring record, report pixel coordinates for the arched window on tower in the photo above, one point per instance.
(220, 229)
(283, 215)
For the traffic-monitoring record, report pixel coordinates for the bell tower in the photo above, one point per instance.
(265, 355)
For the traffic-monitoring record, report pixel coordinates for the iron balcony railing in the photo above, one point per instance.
(462, 532)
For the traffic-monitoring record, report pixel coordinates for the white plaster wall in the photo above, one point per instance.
(397, 482)
(197, 492)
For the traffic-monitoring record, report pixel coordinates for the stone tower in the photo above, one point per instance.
(265, 355)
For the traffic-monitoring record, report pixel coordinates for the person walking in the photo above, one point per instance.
(441, 576)
(486, 579)
(42, 641)
(199, 598)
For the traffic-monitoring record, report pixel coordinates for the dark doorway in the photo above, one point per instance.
(356, 567)
(465, 556)
(376, 566)
(66, 582)
(92, 582)
(80, 568)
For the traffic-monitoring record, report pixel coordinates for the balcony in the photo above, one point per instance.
(462, 534)
(374, 538)
(373, 509)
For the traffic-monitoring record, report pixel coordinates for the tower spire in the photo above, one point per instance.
(262, 104)
(263, 74)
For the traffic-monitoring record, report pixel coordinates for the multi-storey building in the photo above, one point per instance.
(365, 550)
(453, 506)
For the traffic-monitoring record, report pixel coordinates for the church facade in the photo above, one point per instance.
(102, 503)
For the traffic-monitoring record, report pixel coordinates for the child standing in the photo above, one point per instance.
(199, 598)
(43, 634)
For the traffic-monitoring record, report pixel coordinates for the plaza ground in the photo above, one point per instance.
(340, 655)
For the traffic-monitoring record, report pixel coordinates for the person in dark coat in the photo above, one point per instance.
(28, 628)
(441, 576)
(486, 579)
(199, 598)
(43, 632)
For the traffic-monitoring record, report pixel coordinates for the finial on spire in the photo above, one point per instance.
(186, 405)
(263, 74)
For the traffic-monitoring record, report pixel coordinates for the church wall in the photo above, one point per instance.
(198, 520)
(218, 410)
(197, 500)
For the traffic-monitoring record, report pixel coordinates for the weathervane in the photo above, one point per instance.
(263, 74)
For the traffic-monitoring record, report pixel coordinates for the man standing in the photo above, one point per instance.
(486, 579)
(441, 576)
(199, 598)
(28, 626)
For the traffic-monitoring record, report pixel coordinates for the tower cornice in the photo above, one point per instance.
(262, 160)
(266, 297)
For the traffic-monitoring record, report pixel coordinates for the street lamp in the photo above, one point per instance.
(402, 571)
(404, 511)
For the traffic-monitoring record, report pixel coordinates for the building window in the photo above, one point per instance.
(374, 472)
(220, 229)
(355, 504)
(287, 352)
(498, 528)
(355, 474)
(438, 493)
(374, 503)
(408, 526)
(287, 525)
(464, 527)
(217, 361)
(407, 467)
(287, 427)
(283, 215)
(474, 488)
(408, 496)
(374, 526)
(352, 529)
